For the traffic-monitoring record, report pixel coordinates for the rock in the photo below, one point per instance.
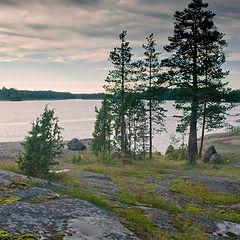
(76, 145)
(169, 150)
(216, 158)
(210, 151)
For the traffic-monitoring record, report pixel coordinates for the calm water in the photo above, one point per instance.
(76, 117)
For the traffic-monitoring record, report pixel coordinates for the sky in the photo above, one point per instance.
(63, 45)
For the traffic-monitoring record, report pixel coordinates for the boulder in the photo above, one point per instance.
(210, 151)
(216, 158)
(169, 150)
(76, 145)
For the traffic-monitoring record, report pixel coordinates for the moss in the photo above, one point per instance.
(40, 199)
(33, 182)
(135, 220)
(18, 183)
(218, 213)
(58, 236)
(188, 229)
(8, 199)
(4, 235)
(201, 193)
(25, 237)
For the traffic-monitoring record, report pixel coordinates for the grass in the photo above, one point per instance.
(86, 195)
(201, 193)
(148, 198)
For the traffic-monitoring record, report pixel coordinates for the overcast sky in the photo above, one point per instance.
(64, 45)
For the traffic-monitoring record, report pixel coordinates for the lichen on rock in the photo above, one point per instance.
(8, 199)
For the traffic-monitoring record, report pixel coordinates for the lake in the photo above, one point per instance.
(77, 117)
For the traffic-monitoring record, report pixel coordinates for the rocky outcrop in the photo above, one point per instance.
(169, 150)
(44, 213)
(76, 145)
(208, 154)
(216, 158)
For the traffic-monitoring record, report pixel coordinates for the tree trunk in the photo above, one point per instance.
(203, 129)
(192, 141)
(150, 112)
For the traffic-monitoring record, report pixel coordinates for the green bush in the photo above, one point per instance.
(43, 145)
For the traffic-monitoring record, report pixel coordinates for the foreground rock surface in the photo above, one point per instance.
(57, 214)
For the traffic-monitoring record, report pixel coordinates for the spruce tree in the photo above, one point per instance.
(187, 64)
(103, 127)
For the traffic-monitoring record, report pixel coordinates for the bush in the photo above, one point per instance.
(43, 145)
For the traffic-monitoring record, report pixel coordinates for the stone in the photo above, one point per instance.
(76, 145)
(216, 158)
(169, 150)
(210, 151)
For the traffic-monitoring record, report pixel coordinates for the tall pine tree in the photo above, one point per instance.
(188, 64)
(119, 83)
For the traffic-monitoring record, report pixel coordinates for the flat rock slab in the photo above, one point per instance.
(61, 215)
(96, 180)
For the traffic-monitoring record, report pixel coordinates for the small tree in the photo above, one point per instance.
(103, 127)
(43, 145)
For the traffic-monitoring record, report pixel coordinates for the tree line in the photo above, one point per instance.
(132, 108)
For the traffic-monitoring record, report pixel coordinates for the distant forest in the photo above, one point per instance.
(12, 94)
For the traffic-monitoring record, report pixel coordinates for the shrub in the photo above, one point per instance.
(43, 145)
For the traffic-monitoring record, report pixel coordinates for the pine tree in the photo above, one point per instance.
(119, 82)
(153, 88)
(188, 62)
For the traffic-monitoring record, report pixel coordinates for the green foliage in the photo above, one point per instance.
(42, 146)
(195, 70)
(103, 128)
(201, 193)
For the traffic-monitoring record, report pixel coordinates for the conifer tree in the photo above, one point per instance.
(187, 64)
(153, 88)
(103, 127)
(119, 83)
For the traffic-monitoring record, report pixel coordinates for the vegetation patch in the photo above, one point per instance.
(201, 193)
(4, 235)
(40, 199)
(58, 236)
(135, 220)
(188, 229)
(218, 213)
(8, 199)
(149, 198)
(18, 183)
(86, 195)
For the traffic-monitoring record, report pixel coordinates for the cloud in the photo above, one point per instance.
(86, 30)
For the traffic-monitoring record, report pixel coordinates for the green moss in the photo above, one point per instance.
(4, 235)
(18, 183)
(33, 182)
(188, 229)
(40, 199)
(8, 199)
(25, 237)
(135, 220)
(201, 193)
(218, 213)
(58, 236)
